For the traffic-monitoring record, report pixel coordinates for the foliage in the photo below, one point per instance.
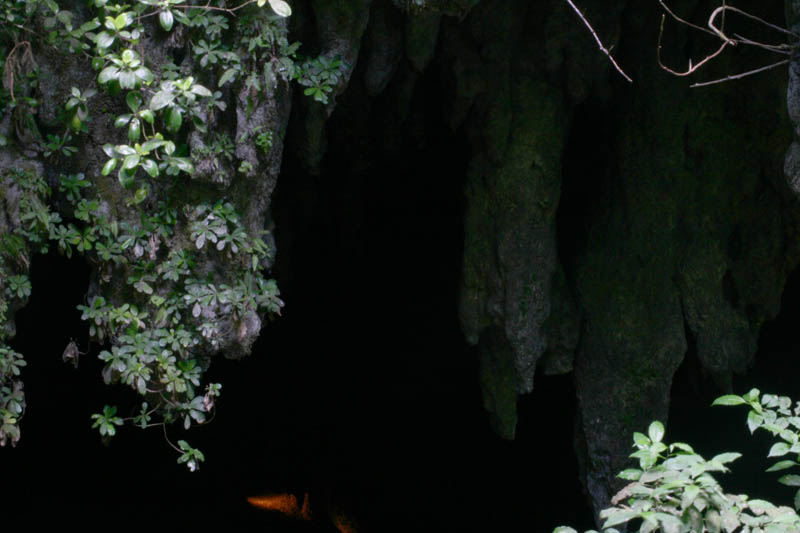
(157, 339)
(674, 491)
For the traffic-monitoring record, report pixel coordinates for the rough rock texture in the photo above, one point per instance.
(516, 121)
(666, 230)
(339, 27)
(507, 91)
(689, 235)
(249, 192)
(607, 225)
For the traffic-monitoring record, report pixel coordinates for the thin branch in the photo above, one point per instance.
(692, 68)
(719, 31)
(599, 42)
(676, 17)
(229, 10)
(724, 7)
(785, 49)
(741, 75)
(10, 66)
(169, 441)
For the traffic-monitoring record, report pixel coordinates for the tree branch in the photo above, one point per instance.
(741, 75)
(599, 42)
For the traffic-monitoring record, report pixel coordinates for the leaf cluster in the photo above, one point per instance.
(674, 490)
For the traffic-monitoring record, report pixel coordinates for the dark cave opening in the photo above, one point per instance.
(364, 393)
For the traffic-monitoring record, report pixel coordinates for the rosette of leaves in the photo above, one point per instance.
(77, 108)
(126, 71)
(117, 29)
(178, 98)
(320, 75)
(134, 119)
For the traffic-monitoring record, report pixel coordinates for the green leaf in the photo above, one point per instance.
(128, 56)
(754, 420)
(682, 446)
(147, 116)
(166, 19)
(145, 75)
(280, 8)
(150, 167)
(791, 480)
(631, 474)
(729, 399)
(641, 440)
(152, 144)
(174, 119)
(134, 101)
(726, 457)
(134, 130)
(781, 465)
(778, 449)
(125, 178)
(123, 20)
(183, 164)
(199, 90)
(107, 74)
(122, 120)
(161, 100)
(104, 40)
(127, 79)
(109, 167)
(752, 396)
(124, 149)
(656, 431)
(227, 76)
(618, 516)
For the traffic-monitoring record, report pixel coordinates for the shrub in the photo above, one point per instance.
(674, 489)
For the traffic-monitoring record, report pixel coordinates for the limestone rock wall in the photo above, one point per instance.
(680, 232)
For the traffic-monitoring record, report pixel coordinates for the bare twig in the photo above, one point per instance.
(741, 75)
(12, 64)
(686, 22)
(169, 441)
(692, 68)
(599, 42)
(719, 31)
(785, 49)
(724, 7)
